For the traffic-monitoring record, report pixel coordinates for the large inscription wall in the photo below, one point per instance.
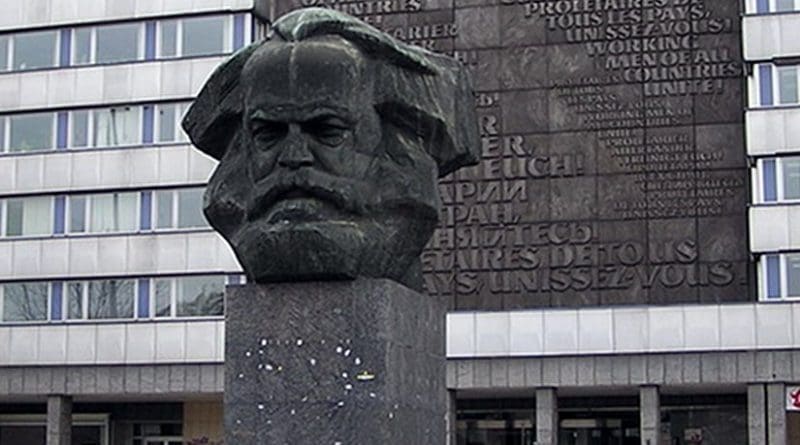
(613, 165)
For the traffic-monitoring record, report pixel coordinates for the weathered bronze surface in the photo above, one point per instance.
(331, 137)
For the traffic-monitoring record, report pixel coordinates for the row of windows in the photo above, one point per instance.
(780, 179)
(93, 128)
(115, 299)
(778, 85)
(116, 212)
(766, 6)
(125, 42)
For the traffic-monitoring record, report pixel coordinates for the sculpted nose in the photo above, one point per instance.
(295, 154)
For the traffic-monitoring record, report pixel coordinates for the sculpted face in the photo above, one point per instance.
(317, 185)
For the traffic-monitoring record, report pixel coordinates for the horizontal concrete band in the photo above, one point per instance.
(535, 333)
(683, 369)
(624, 330)
(709, 368)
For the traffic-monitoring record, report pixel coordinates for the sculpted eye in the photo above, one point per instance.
(267, 131)
(328, 130)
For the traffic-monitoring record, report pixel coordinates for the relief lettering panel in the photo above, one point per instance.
(613, 164)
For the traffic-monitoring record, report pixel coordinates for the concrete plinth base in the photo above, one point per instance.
(350, 362)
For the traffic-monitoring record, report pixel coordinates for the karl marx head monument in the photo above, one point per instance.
(331, 137)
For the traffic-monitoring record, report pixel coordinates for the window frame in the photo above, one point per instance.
(775, 85)
(173, 292)
(5, 143)
(141, 42)
(48, 315)
(87, 213)
(101, 420)
(4, 218)
(780, 180)
(84, 318)
(182, 107)
(12, 46)
(227, 36)
(783, 278)
(175, 215)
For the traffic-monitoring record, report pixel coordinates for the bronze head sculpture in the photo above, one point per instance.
(331, 137)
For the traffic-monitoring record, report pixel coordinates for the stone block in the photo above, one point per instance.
(350, 362)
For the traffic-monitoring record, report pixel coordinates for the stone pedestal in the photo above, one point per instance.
(347, 362)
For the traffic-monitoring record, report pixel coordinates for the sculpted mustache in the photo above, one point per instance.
(346, 194)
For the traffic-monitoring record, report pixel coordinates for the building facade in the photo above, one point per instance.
(622, 267)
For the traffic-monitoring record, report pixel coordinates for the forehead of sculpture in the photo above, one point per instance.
(327, 72)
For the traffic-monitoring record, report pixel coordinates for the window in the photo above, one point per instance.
(105, 127)
(107, 44)
(4, 53)
(198, 36)
(100, 299)
(778, 85)
(28, 132)
(188, 296)
(168, 122)
(28, 216)
(117, 126)
(25, 301)
(786, 5)
(24, 429)
(179, 209)
(780, 276)
(33, 50)
(780, 179)
(103, 213)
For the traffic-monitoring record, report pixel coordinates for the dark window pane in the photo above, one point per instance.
(80, 129)
(22, 434)
(75, 301)
(169, 38)
(111, 299)
(25, 301)
(31, 132)
(793, 275)
(163, 298)
(29, 216)
(35, 50)
(77, 214)
(204, 35)
(166, 123)
(787, 85)
(82, 51)
(200, 296)
(164, 210)
(190, 208)
(117, 43)
(784, 5)
(4, 53)
(14, 217)
(86, 435)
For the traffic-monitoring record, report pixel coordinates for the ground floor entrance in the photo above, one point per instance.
(687, 419)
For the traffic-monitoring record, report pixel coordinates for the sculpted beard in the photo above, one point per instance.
(306, 224)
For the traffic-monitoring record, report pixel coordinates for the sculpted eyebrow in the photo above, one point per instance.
(303, 113)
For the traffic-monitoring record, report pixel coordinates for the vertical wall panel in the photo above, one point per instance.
(765, 84)
(150, 41)
(770, 185)
(56, 300)
(145, 215)
(144, 299)
(238, 31)
(147, 124)
(65, 47)
(773, 276)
